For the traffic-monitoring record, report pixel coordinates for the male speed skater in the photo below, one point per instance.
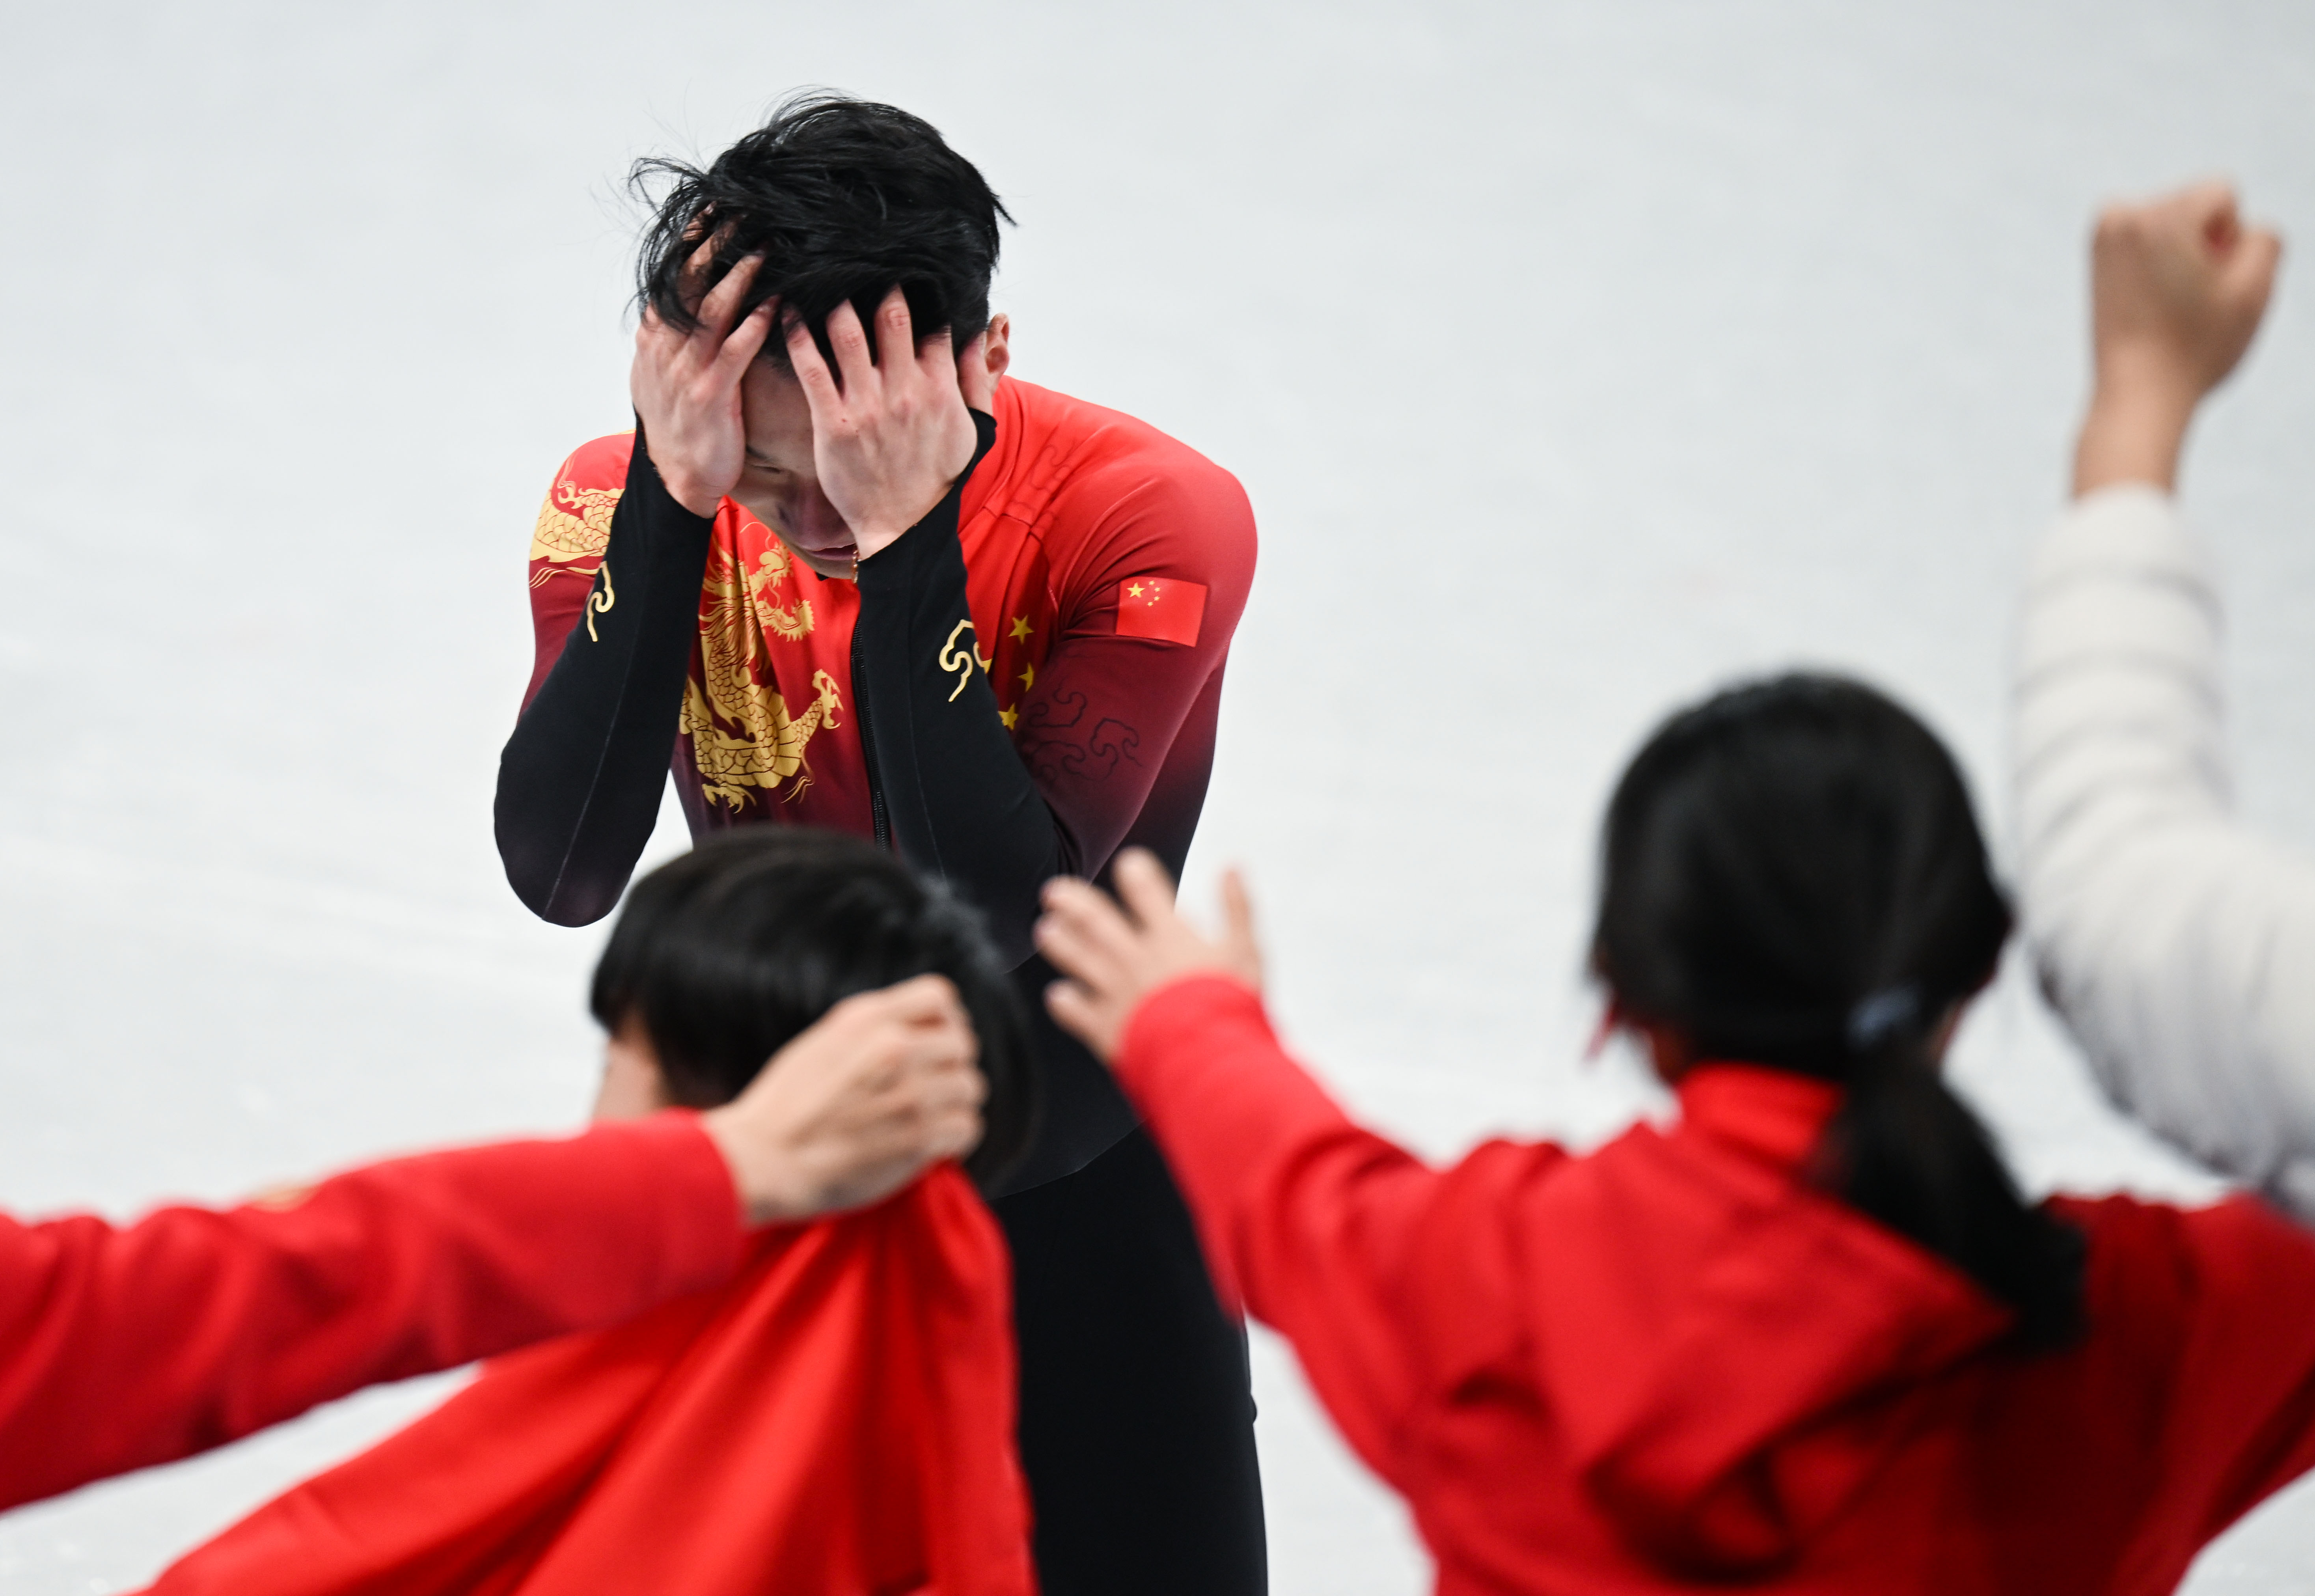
(848, 571)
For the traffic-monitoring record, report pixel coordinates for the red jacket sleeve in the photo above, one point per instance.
(1320, 1225)
(122, 1347)
(2241, 1421)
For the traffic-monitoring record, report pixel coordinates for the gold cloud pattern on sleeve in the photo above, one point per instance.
(575, 523)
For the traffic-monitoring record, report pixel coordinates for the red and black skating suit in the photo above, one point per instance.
(1026, 681)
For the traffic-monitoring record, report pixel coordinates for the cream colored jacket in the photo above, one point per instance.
(2178, 945)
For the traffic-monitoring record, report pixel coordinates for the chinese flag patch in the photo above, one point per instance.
(1161, 607)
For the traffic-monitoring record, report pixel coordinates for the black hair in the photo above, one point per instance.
(724, 955)
(843, 199)
(1792, 875)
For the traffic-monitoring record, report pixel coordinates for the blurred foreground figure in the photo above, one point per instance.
(848, 571)
(1809, 1337)
(838, 1418)
(123, 1347)
(2179, 945)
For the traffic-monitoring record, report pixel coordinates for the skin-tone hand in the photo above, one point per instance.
(1114, 957)
(686, 388)
(889, 436)
(882, 1087)
(2178, 288)
(780, 483)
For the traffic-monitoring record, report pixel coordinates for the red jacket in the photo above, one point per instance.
(1671, 1364)
(838, 1421)
(125, 1347)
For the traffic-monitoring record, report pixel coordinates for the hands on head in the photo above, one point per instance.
(2178, 285)
(685, 386)
(882, 1087)
(890, 433)
(1111, 955)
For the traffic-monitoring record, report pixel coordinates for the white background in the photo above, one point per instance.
(1575, 357)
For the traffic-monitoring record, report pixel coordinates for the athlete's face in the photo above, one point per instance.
(779, 485)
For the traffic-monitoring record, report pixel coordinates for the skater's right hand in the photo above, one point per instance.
(881, 1087)
(2178, 286)
(686, 388)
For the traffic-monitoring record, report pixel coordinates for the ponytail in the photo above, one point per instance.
(1903, 1149)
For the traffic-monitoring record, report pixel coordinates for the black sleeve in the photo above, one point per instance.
(951, 791)
(580, 781)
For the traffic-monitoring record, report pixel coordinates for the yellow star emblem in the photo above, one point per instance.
(1021, 628)
(1028, 678)
(1134, 591)
(1008, 716)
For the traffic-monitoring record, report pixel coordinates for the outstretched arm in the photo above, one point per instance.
(1344, 1242)
(2179, 946)
(126, 1346)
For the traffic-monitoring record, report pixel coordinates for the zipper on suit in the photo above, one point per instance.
(881, 826)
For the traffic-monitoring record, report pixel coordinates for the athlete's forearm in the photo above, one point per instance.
(953, 794)
(580, 780)
(123, 1347)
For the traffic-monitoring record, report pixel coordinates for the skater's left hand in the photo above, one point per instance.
(888, 441)
(1114, 957)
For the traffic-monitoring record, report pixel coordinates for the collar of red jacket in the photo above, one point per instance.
(1774, 1114)
(1730, 1352)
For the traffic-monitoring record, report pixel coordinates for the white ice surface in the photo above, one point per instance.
(1575, 357)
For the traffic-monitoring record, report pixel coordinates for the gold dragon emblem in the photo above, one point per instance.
(742, 737)
(574, 524)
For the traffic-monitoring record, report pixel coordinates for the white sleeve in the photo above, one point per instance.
(2179, 947)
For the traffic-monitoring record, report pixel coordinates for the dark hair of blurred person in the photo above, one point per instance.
(722, 955)
(1792, 875)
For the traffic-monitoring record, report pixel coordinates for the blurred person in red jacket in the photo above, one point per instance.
(124, 1347)
(839, 1416)
(1808, 1337)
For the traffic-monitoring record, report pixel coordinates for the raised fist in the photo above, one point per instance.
(2177, 287)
